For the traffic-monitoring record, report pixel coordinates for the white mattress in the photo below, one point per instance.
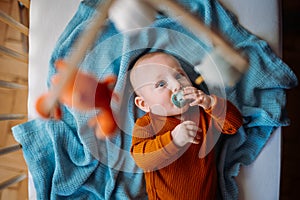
(48, 19)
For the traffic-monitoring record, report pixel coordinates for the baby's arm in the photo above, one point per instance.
(226, 117)
(151, 150)
(148, 149)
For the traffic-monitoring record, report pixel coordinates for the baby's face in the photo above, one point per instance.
(155, 79)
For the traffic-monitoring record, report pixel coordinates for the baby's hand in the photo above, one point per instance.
(198, 97)
(186, 132)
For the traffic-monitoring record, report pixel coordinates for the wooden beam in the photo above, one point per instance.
(6, 150)
(13, 54)
(26, 3)
(10, 85)
(4, 117)
(12, 181)
(5, 18)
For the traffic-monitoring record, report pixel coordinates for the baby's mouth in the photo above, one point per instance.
(178, 100)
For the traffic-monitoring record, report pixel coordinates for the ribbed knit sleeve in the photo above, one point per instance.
(226, 117)
(149, 149)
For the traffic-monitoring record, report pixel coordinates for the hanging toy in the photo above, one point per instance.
(82, 92)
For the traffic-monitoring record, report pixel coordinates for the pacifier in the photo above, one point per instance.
(178, 100)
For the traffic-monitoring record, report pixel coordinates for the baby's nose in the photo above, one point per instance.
(176, 86)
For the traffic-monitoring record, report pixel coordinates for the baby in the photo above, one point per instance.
(167, 139)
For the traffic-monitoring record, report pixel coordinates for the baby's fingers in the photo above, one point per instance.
(196, 139)
(197, 101)
(189, 89)
(190, 125)
(196, 96)
(193, 129)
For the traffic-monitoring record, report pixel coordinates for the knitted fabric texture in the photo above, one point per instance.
(66, 160)
(178, 173)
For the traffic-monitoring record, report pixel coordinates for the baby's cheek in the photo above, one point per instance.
(159, 109)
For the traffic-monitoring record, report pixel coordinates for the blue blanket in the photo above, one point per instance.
(66, 160)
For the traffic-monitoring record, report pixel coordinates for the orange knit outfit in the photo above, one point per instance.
(178, 173)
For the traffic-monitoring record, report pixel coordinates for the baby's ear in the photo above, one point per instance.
(141, 104)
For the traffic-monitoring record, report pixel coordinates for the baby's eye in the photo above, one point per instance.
(161, 83)
(179, 76)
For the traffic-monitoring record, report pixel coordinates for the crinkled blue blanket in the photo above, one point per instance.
(66, 160)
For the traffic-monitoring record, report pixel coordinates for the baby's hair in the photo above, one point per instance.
(186, 66)
(145, 56)
(138, 56)
(150, 55)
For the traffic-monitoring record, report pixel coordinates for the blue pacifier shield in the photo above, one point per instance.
(178, 100)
